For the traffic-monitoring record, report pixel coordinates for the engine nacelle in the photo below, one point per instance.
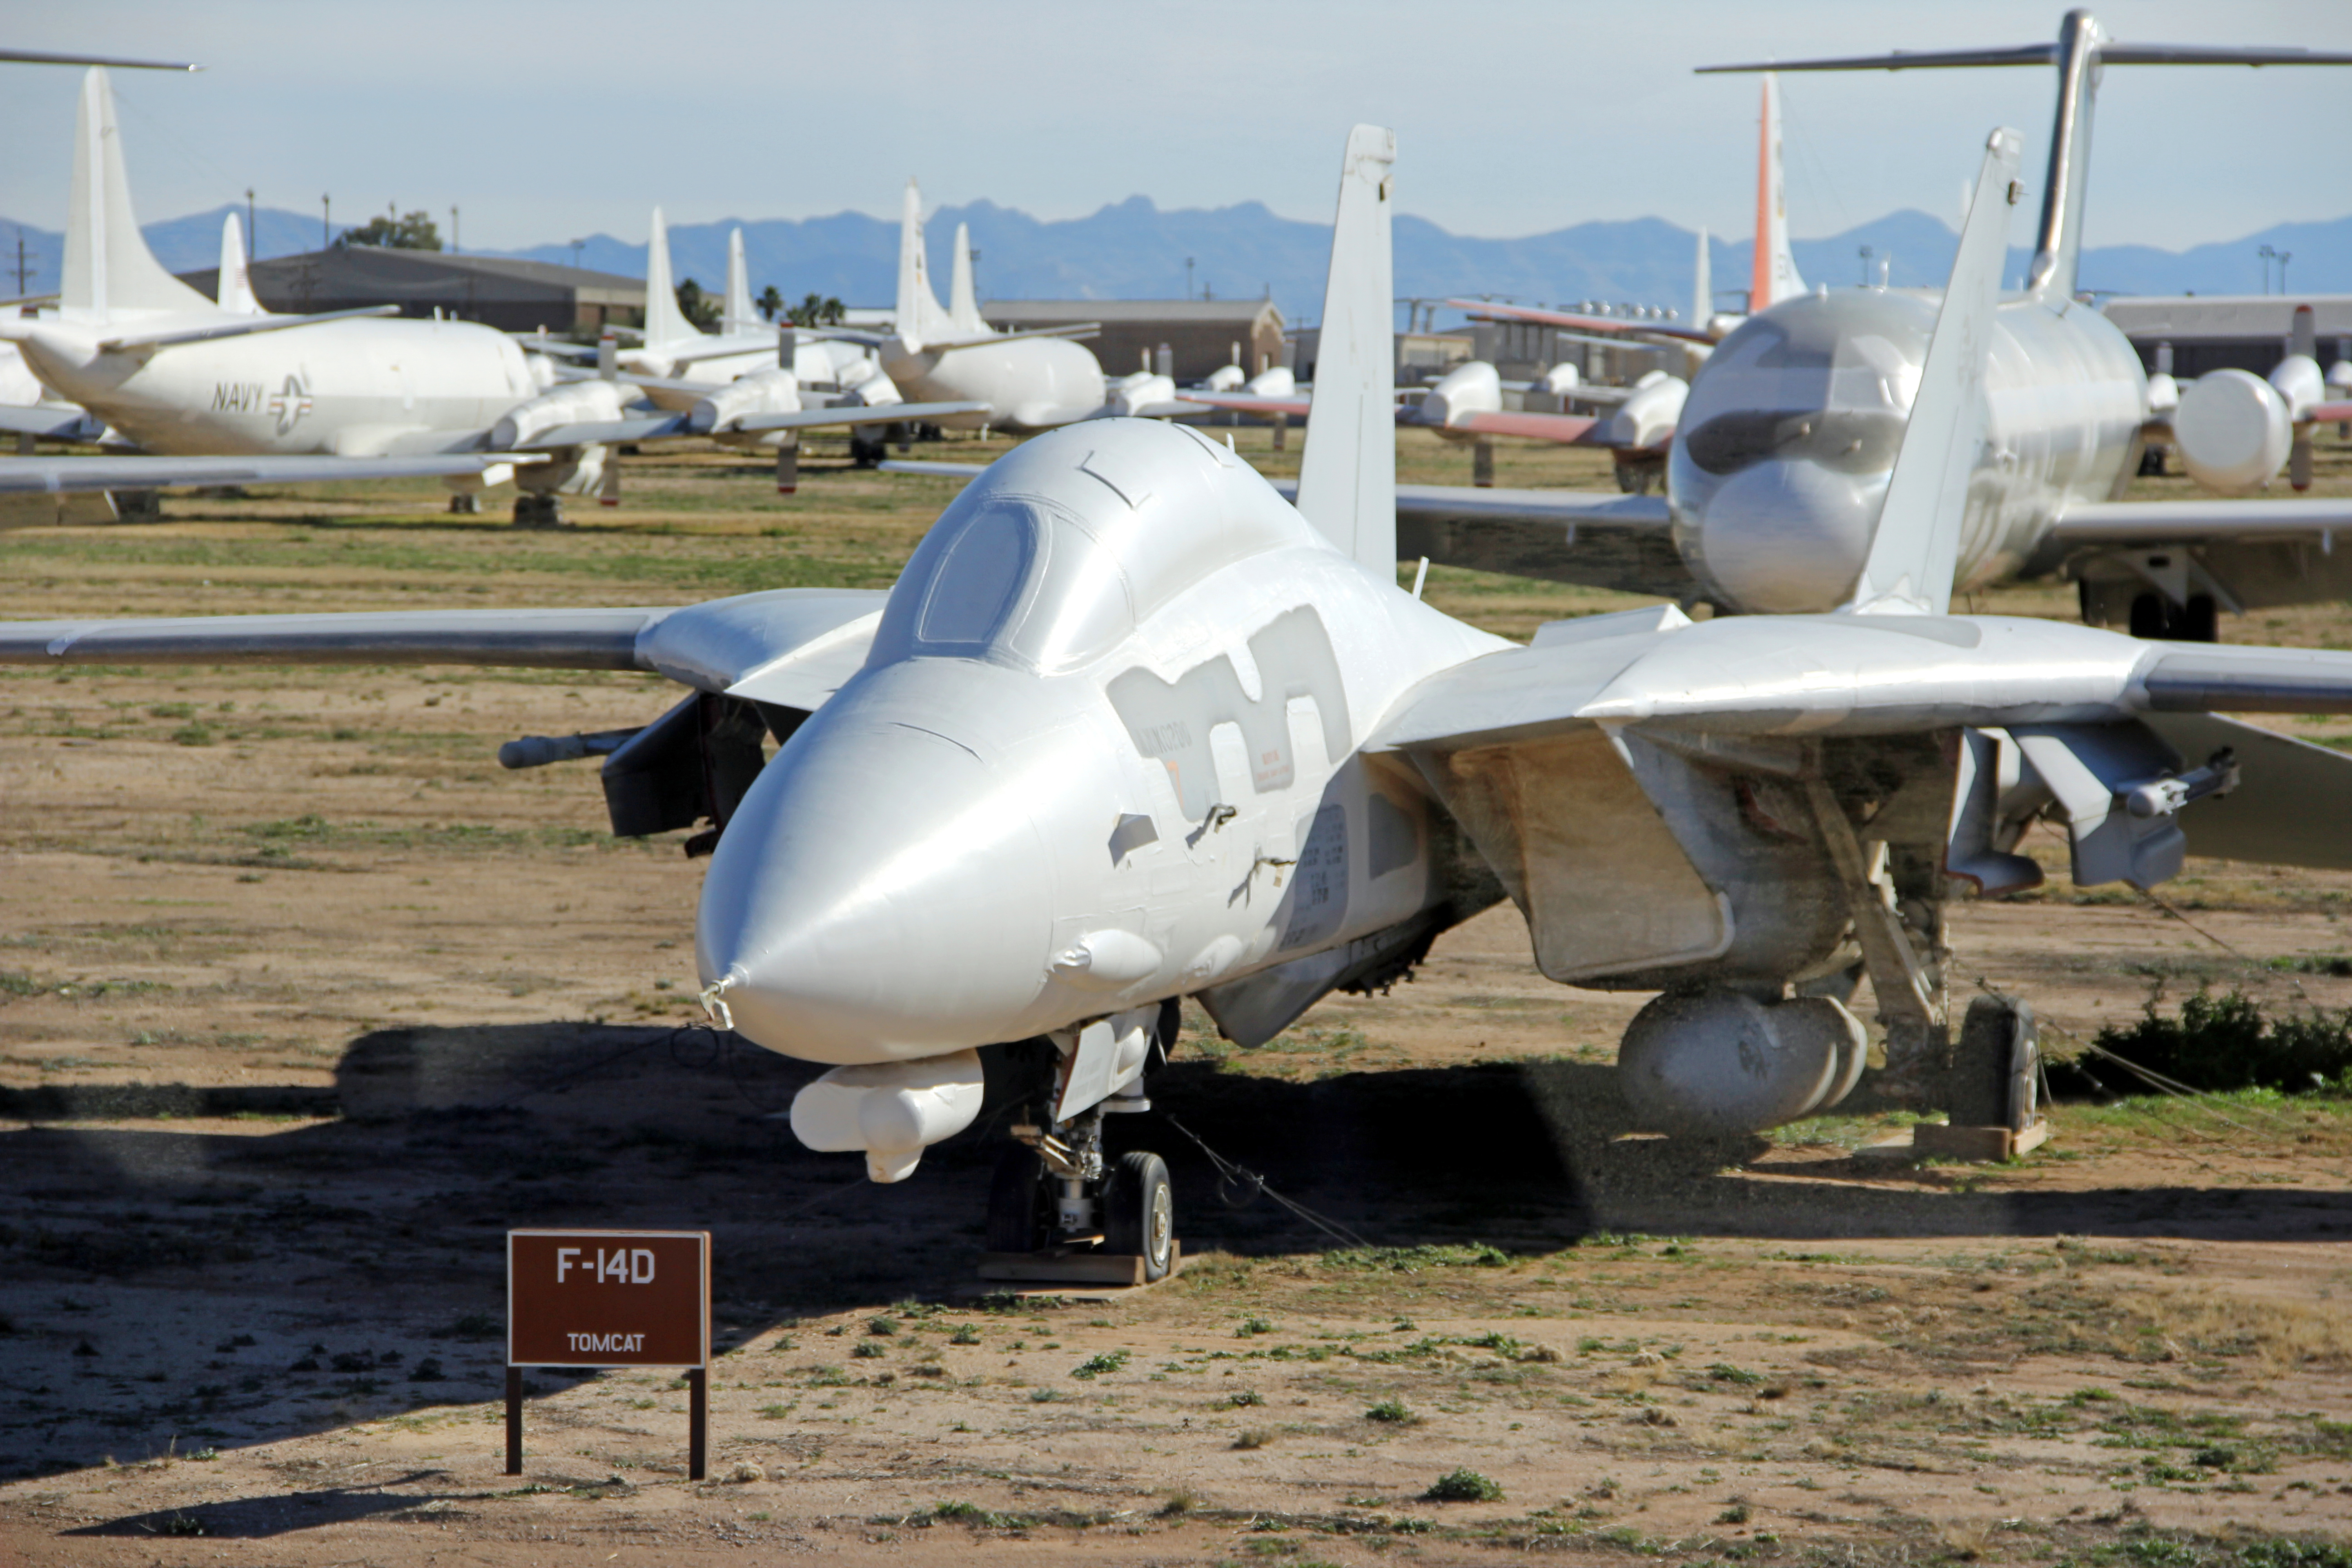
(2232, 431)
(874, 390)
(1647, 418)
(1473, 387)
(2299, 383)
(1562, 378)
(1226, 378)
(889, 1111)
(577, 403)
(1276, 382)
(1717, 1063)
(1139, 390)
(2163, 395)
(761, 391)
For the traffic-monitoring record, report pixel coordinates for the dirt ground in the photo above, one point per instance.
(304, 1000)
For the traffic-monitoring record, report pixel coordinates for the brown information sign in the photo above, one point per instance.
(608, 1298)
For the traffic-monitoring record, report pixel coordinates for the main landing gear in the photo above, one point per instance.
(1055, 1192)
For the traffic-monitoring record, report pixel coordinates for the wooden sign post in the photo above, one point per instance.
(608, 1298)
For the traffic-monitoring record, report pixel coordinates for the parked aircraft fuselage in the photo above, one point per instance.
(349, 388)
(1782, 457)
(1029, 384)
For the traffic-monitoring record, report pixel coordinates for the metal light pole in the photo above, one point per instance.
(326, 222)
(2266, 252)
(2284, 257)
(1187, 277)
(252, 239)
(577, 245)
(453, 229)
(1865, 267)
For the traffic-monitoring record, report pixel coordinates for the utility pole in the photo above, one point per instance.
(2285, 257)
(252, 239)
(326, 222)
(453, 229)
(2266, 253)
(23, 268)
(577, 245)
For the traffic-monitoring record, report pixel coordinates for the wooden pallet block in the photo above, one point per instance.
(1982, 1143)
(1119, 1269)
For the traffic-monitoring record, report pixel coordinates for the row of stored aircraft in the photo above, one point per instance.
(1132, 728)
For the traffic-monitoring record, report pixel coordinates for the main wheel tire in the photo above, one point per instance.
(1019, 1203)
(1139, 1212)
(2146, 617)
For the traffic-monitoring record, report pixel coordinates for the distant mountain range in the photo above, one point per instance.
(1134, 250)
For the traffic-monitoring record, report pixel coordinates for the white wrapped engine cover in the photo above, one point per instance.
(1712, 1063)
(2232, 431)
(891, 1112)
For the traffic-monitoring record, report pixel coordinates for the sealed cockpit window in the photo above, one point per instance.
(1081, 605)
(979, 581)
(1830, 380)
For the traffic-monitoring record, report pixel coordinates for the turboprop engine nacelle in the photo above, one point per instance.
(2233, 431)
(890, 1111)
(761, 391)
(1716, 1063)
(579, 403)
(1277, 382)
(1139, 391)
(1474, 387)
(1647, 418)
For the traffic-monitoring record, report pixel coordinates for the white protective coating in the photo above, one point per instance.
(234, 291)
(2232, 431)
(1347, 479)
(889, 1111)
(1709, 1063)
(1473, 387)
(1063, 654)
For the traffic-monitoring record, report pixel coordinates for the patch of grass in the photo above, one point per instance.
(1252, 1326)
(1246, 1397)
(1394, 1411)
(1095, 1365)
(1463, 1486)
(1255, 1438)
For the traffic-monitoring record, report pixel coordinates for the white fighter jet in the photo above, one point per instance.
(1783, 450)
(1129, 728)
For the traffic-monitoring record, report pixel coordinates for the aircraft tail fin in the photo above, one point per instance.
(1917, 545)
(108, 266)
(1772, 275)
(664, 323)
(921, 319)
(963, 301)
(1702, 284)
(235, 289)
(1347, 480)
(738, 315)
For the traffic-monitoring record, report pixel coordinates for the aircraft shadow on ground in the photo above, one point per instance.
(381, 1231)
(258, 1517)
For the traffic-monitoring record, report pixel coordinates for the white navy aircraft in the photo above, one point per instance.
(218, 395)
(1783, 450)
(1130, 728)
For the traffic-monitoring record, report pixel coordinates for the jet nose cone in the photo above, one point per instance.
(883, 894)
(1788, 536)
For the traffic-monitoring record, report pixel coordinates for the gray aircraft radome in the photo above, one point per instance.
(1129, 728)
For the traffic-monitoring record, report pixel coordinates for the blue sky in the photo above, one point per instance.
(543, 120)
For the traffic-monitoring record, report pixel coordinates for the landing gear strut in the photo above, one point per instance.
(1056, 1192)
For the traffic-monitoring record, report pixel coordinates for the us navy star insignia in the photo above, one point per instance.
(289, 404)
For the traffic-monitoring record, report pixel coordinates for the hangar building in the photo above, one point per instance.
(1201, 334)
(2222, 332)
(501, 291)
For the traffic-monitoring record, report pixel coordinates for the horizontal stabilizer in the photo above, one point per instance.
(2200, 522)
(2110, 53)
(1611, 326)
(37, 57)
(2186, 678)
(856, 413)
(50, 421)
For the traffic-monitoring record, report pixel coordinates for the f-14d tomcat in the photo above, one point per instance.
(1130, 728)
(1783, 450)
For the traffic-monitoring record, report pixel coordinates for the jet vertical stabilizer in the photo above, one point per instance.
(235, 289)
(2082, 49)
(921, 319)
(1773, 273)
(963, 301)
(664, 323)
(739, 316)
(108, 266)
(1912, 557)
(1347, 481)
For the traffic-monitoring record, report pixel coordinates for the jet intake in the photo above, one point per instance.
(890, 1111)
(1716, 1063)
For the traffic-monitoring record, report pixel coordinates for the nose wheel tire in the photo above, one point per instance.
(1139, 1207)
(1019, 1203)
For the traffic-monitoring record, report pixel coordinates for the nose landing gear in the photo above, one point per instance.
(1055, 1196)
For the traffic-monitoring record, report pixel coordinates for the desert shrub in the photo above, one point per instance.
(2226, 1043)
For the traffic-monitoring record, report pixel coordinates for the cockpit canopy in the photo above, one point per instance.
(1825, 378)
(1057, 554)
